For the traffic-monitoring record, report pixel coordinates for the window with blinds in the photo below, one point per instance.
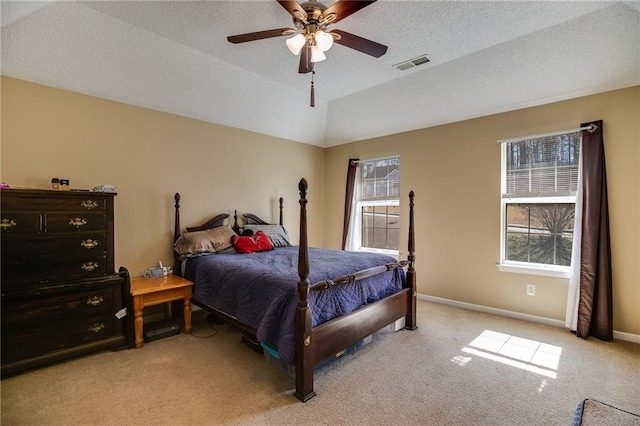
(379, 204)
(539, 186)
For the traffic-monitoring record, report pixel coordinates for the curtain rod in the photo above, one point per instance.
(374, 159)
(591, 128)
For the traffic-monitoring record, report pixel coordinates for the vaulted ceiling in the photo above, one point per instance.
(485, 58)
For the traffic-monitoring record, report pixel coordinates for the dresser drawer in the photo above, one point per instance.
(38, 311)
(46, 249)
(61, 202)
(74, 222)
(34, 274)
(19, 223)
(60, 335)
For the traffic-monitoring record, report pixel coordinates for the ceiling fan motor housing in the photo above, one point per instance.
(314, 19)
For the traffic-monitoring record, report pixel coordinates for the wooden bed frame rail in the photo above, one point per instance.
(313, 345)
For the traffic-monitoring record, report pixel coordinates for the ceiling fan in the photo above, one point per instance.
(311, 35)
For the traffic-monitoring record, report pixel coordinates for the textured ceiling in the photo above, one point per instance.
(486, 57)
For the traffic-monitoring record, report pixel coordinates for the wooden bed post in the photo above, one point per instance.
(176, 235)
(303, 339)
(236, 226)
(281, 202)
(410, 319)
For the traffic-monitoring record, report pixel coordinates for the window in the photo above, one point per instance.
(378, 204)
(539, 187)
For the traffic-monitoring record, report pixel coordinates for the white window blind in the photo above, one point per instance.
(543, 167)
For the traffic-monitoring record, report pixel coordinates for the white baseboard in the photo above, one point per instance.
(627, 337)
(619, 335)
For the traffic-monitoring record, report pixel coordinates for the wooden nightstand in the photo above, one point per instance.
(149, 291)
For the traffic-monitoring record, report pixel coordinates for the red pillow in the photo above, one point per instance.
(252, 243)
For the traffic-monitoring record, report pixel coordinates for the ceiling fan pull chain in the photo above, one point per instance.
(313, 91)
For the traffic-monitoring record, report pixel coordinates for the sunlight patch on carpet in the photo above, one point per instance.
(461, 360)
(526, 354)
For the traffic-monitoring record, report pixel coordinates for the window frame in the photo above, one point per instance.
(361, 202)
(530, 268)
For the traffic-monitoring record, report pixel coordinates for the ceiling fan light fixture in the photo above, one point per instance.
(317, 55)
(295, 43)
(324, 40)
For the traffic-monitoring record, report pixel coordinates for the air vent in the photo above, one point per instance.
(412, 63)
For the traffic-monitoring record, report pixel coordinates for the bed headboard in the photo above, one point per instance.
(214, 222)
(252, 219)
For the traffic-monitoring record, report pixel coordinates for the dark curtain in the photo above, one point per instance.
(595, 313)
(348, 197)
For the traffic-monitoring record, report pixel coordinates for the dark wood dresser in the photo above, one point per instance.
(61, 296)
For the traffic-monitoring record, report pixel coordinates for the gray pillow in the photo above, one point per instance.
(208, 241)
(276, 233)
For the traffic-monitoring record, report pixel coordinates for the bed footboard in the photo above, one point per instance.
(314, 345)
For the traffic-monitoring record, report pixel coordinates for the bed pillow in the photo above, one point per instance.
(252, 243)
(208, 241)
(276, 233)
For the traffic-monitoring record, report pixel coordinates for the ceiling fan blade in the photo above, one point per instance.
(293, 7)
(361, 44)
(344, 8)
(306, 66)
(259, 35)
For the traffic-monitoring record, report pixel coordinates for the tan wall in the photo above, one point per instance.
(455, 172)
(150, 155)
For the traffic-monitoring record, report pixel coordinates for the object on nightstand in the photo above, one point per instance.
(157, 271)
(64, 184)
(55, 183)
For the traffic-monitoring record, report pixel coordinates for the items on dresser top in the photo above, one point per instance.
(61, 296)
(104, 188)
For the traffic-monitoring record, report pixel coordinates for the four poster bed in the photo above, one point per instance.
(308, 303)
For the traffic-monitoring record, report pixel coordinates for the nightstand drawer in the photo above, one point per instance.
(45, 310)
(61, 335)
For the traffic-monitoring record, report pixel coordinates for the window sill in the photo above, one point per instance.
(394, 253)
(558, 272)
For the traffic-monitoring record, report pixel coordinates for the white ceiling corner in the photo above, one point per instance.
(486, 57)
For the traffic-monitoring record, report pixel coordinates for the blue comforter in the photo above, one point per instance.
(260, 289)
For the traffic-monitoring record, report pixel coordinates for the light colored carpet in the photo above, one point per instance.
(458, 368)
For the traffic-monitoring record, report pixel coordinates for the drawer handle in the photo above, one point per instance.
(97, 327)
(7, 223)
(89, 244)
(77, 222)
(89, 266)
(89, 204)
(95, 300)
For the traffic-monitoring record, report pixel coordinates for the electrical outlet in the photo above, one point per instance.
(531, 289)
